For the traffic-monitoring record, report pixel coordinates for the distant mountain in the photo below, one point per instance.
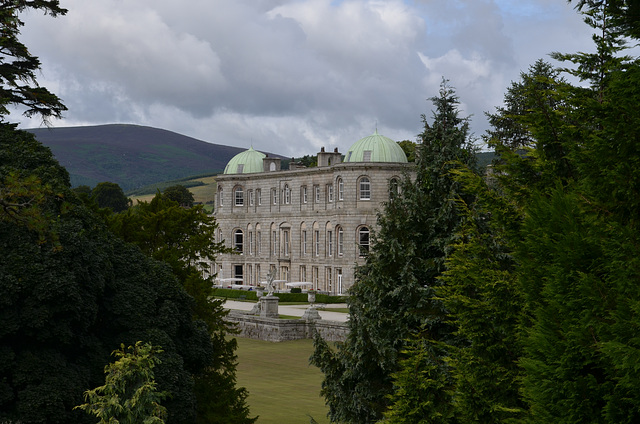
(131, 155)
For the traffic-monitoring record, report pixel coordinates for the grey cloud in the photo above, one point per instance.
(291, 76)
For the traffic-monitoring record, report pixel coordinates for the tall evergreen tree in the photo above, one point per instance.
(394, 294)
(18, 67)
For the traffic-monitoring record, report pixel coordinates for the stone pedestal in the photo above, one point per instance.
(311, 314)
(269, 306)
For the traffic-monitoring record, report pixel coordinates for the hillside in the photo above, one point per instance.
(131, 155)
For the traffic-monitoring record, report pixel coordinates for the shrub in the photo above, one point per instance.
(296, 290)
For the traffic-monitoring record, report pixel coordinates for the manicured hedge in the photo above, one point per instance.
(235, 294)
(284, 297)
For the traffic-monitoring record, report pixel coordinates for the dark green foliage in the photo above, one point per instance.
(308, 161)
(481, 295)
(409, 148)
(110, 195)
(508, 125)
(424, 390)
(394, 295)
(184, 239)
(179, 193)
(235, 294)
(68, 303)
(18, 67)
(296, 290)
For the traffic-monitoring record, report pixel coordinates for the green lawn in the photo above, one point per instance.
(283, 387)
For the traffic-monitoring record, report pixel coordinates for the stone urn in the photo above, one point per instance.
(311, 296)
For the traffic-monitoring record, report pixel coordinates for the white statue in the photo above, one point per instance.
(271, 287)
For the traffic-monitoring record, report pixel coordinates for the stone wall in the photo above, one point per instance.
(278, 330)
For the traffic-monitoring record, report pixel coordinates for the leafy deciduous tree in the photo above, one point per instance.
(110, 195)
(179, 193)
(184, 238)
(68, 303)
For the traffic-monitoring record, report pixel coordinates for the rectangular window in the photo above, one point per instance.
(251, 198)
(330, 192)
(303, 273)
(250, 274)
(238, 241)
(238, 273)
(316, 234)
(340, 241)
(329, 243)
(275, 196)
(304, 194)
(328, 280)
(317, 193)
(239, 195)
(259, 240)
(315, 277)
(274, 244)
(251, 242)
(304, 242)
(285, 235)
(259, 195)
(365, 189)
(257, 274)
(340, 189)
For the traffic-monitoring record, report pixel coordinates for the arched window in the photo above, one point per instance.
(258, 243)
(365, 188)
(238, 195)
(393, 188)
(363, 241)
(304, 242)
(329, 240)
(340, 189)
(340, 240)
(238, 240)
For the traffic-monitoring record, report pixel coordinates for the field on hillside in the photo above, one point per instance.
(283, 387)
(204, 193)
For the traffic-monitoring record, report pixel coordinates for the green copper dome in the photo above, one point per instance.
(246, 162)
(375, 148)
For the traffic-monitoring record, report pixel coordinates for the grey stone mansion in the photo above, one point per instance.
(308, 225)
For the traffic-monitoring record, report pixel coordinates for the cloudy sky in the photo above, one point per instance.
(290, 76)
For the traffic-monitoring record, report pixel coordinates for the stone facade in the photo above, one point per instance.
(309, 224)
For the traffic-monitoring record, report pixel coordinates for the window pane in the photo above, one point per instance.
(365, 189)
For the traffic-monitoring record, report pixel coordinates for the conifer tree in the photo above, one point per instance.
(394, 294)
